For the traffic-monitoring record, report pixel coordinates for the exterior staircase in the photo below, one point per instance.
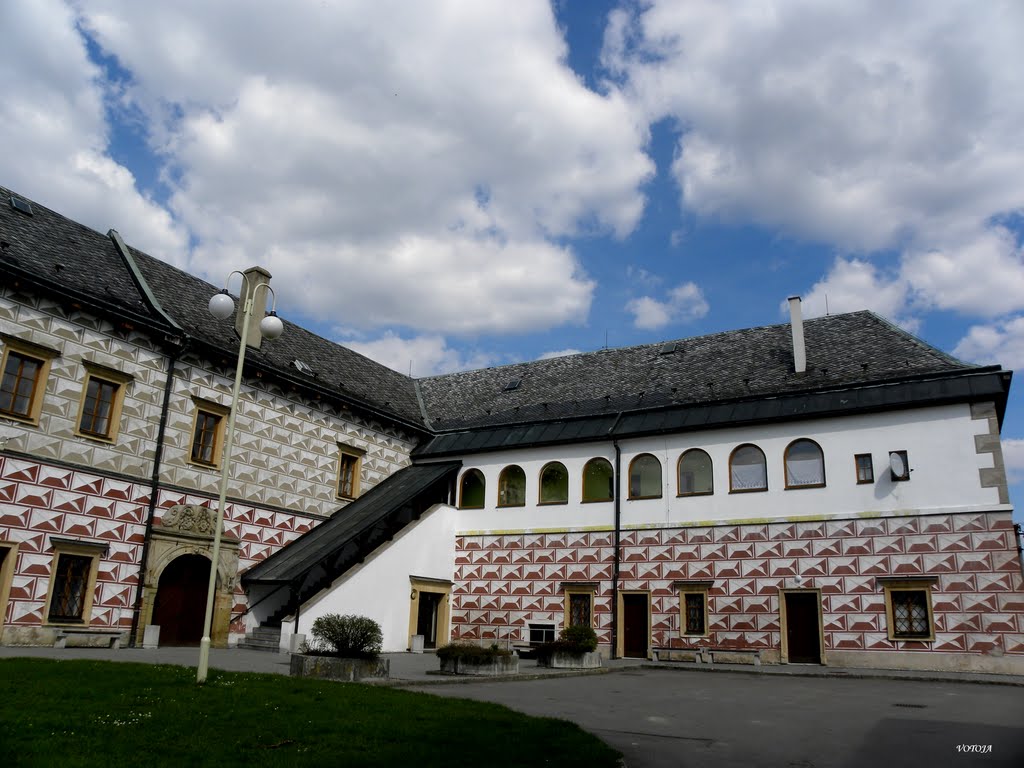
(265, 637)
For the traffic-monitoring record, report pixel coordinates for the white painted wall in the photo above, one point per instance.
(939, 442)
(380, 587)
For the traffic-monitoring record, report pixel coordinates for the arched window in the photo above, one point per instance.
(747, 469)
(645, 477)
(598, 480)
(471, 490)
(805, 464)
(512, 487)
(554, 484)
(695, 473)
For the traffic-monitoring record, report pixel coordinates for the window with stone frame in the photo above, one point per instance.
(99, 413)
(693, 607)
(72, 581)
(579, 603)
(25, 367)
(349, 469)
(208, 433)
(908, 608)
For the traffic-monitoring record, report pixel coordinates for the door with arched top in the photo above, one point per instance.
(180, 605)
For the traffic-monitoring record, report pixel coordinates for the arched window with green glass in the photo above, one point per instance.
(598, 480)
(554, 483)
(695, 476)
(645, 477)
(512, 487)
(472, 490)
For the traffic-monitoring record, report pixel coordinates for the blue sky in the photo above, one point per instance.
(443, 185)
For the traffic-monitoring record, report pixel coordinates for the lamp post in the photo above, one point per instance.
(222, 306)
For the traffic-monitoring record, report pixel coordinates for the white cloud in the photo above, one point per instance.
(559, 353)
(685, 302)
(425, 355)
(1013, 458)
(852, 285)
(983, 275)
(999, 343)
(867, 125)
(396, 162)
(54, 132)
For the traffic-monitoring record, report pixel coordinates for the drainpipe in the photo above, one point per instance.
(154, 484)
(617, 497)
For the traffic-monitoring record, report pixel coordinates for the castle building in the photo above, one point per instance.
(829, 491)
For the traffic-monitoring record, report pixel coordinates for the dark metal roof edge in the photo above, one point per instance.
(998, 391)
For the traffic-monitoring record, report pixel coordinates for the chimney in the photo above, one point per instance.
(254, 277)
(796, 322)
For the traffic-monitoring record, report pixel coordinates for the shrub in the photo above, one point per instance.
(470, 652)
(349, 636)
(575, 639)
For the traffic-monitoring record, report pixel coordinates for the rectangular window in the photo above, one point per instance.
(70, 585)
(25, 367)
(579, 603)
(693, 607)
(908, 608)
(100, 409)
(208, 433)
(865, 468)
(541, 633)
(349, 464)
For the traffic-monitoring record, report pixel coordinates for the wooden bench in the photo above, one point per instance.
(113, 636)
(706, 655)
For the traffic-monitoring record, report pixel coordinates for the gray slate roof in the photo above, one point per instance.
(80, 262)
(842, 350)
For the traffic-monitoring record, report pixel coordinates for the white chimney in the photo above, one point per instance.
(796, 322)
(254, 276)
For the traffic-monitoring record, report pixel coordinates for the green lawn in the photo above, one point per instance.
(74, 713)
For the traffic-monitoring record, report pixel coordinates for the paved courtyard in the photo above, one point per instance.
(678, 719)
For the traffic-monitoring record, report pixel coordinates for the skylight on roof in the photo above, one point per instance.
(669, 347)
(303, 368)
(513, 385)
(21, 205)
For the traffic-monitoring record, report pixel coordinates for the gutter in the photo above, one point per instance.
(616, 567)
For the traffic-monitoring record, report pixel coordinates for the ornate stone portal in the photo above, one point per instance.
(187, 529)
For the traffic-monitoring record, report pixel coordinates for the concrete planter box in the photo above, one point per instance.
(335, 668)
(566, 660)
(503, 665)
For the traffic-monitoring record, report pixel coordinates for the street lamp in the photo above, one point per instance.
(222, 306)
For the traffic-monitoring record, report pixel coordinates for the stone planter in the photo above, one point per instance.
(568, 660)
(502, 665)
(335, 668)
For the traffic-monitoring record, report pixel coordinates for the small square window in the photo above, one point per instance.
(865, 468)
(541, 633)
(208, 433)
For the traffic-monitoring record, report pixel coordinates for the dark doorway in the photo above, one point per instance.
(635, 625)
(426, 619)
(180, 605)
(803, 637)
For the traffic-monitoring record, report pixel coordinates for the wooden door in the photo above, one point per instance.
(426, 618)
(180, 605)
(635, 625)
(803, 636)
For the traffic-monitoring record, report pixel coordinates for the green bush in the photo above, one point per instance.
(470, 652)
(349, 636)
(575, 639)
